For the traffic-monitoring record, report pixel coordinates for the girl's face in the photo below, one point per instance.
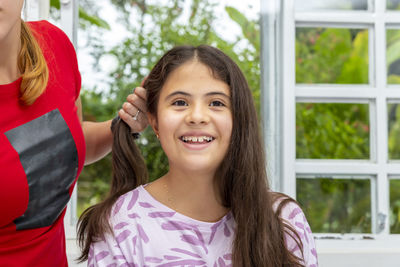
(194, 119)
(10, 19)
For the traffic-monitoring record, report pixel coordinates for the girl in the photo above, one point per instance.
(43, 142)
(213, 207)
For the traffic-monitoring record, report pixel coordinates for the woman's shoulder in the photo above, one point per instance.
(45, 28)
(50, 36)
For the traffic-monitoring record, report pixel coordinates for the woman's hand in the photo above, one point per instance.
(134, 111)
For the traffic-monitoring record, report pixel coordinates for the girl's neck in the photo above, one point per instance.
(192, 195)
(9, 50)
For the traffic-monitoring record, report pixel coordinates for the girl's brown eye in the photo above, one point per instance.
(179, 103)
(217, 103)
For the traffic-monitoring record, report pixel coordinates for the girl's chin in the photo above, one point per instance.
(196, 166)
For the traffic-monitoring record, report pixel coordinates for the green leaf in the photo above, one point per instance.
(393, 53)
(250, 29)
(55, 4)
(94, 20)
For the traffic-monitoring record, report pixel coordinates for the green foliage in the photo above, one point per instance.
(336, 205)
(331, 56)
(332, 131)
(395, 206)
(394, 131)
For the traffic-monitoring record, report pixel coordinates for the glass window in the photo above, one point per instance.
(309, 5)
(332, 131)
(393, 56)
(394, 130)
(331, 55)
(336, 205)
(394, 206)
(393, 4)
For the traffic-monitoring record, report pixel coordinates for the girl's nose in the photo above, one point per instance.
(198, 114)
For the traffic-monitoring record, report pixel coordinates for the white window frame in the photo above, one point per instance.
(280, 93)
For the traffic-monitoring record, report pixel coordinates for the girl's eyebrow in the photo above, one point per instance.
(187, 94)
(176, 93)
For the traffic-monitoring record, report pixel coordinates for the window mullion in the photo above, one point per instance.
(288, 105)
(69, 24)
(382, 191)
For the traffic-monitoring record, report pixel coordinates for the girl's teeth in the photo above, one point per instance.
(199, 139)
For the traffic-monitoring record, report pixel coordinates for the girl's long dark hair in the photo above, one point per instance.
(242, 180)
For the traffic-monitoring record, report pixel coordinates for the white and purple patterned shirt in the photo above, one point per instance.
(149, 234)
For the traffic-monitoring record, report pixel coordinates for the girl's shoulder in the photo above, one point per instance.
(126, 202)
(286, 207)
(290, 212)
(133, 206)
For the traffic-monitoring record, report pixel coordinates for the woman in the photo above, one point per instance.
(213, 207)
(43, 143)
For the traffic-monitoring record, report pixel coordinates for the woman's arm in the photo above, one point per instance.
(98, 136)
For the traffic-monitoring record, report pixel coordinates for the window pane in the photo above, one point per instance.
(395, 206)
(307, 5)
(336, 205)
(331, 55)
(394, 130)
(393, 4)
(332, 131)
(393, 56)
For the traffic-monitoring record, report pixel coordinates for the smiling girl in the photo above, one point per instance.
(213, 207)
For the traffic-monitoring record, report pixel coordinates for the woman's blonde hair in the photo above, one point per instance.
(33, 66)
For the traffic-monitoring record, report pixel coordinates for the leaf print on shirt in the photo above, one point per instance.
(220, 262)
(118, 205)
(193, 240)
(146, 205)
(133, 216)
(161, 214)
(228, 256)
(167, 257)
(153, 259)
(101, 255)
(301, 227)
(183, 263)
(197, 240)
(177, 225)
(120, 225)
(134, 198)
(227, 233)
(186, 252)
(294, 213)
(142, 234)
(122, 236)
(214, 230)
(134, 240)
(91, 253)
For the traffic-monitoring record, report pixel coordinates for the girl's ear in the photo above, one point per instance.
(153, 122)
